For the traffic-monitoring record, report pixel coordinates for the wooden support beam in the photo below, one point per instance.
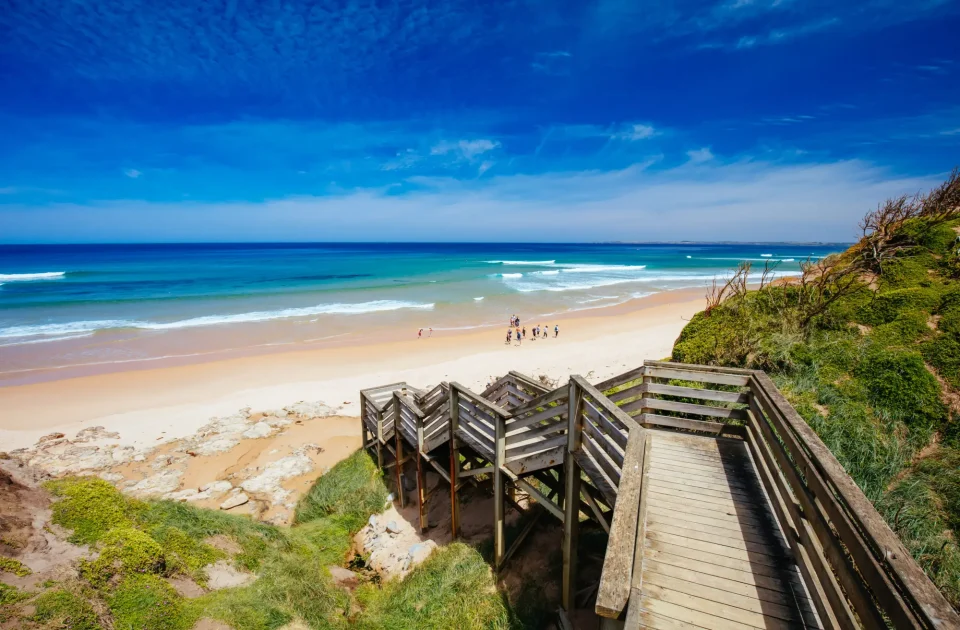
(498, 491)
(401, 495)
(520, 538)
(571, 497)
(472, 472)
(541, 500)
(454, 397)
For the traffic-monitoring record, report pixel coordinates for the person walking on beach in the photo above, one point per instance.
(546, 331)
(509, 335)
(556, 330)
(524, 332)
(430, 334)
(420, 333)
(519, 339)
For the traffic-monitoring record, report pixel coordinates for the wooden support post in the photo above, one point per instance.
(500, 446)
(454, 463)
(401, 495)
(363, 423)
(571, 498)
(379, 439)
(421, 485)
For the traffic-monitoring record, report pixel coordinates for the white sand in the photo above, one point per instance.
(148, 407)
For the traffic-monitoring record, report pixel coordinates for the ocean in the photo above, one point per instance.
(128, 305)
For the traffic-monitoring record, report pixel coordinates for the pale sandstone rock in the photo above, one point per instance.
(162, 483)
(235, 501)
(259, 430)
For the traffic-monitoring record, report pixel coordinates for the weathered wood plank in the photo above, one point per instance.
(604, 441)
(696, 376)
(687, 408)
(697, 588)
(516, 422)
(681, 423)
(529, 433)
(618, 560)
(555, 396)
(697, 393)
(521, 452)
(617, 433)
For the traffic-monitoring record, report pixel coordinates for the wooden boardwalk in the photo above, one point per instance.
(712, 554)
(722, 507)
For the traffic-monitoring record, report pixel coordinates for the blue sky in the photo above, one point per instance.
(129, 120)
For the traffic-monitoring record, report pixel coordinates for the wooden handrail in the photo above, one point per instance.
(858, 571)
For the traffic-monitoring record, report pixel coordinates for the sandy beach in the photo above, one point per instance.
(151, 406)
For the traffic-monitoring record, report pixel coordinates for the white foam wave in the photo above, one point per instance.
(600, 268)
(477, 299)
(508, 275)
(552, 272)
(520, 262)
(90, 327)
(786, 260)
(27, 277)
(585, 279)
(766, 255)
(46, 339)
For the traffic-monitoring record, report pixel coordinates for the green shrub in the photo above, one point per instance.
(184, 554)
(906, 329)
(125, 550)
(717, 339)
(904, 272)
(353, 487)
(454, 588)
(90, 507)
(936, 238)
(943, 353)
(886, 306)
(62, 609)
(256, 539)
(950, 319)
(16, 567)
(898, 383)
(147, 602)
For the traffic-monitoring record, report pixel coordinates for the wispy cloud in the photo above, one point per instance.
(709, 201)
(698, 156)
(555, 62)
(132, 173)
(635, 131)
(465, 149)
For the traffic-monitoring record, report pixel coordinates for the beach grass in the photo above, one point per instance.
(876, 374)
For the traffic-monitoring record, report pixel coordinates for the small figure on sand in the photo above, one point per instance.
(546, 331)
(420, 333)
(509, 334)
(430, 334)
(556, 330)
(519, 338)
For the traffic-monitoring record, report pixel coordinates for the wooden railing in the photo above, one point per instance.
(595, 439)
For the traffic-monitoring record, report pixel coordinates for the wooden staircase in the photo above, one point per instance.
(723, 508)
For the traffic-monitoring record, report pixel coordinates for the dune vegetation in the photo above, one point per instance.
(145, 545)
(866, 346)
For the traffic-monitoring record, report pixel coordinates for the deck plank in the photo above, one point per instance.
(713, 556)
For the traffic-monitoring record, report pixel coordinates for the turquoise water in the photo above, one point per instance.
(70, 305)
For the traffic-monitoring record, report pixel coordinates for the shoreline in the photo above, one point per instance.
(149, 406)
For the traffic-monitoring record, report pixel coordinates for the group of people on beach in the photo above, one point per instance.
(521, 332)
